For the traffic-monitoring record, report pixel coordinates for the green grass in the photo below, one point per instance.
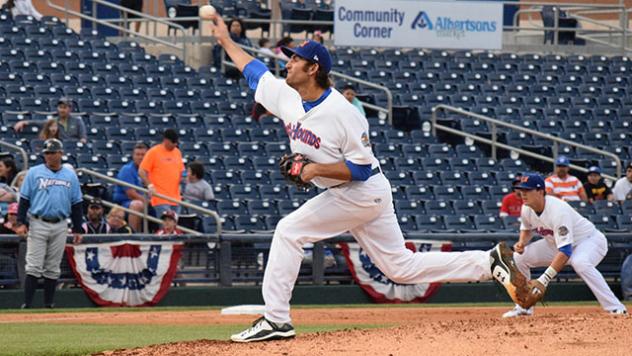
(81, 339)
(308, 306)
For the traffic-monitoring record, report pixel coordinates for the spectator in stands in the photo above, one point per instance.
(10, 220)
(116, 220)
(318, 37)
(169, 222)
(623, 187)
(563, 185)
(136, 5)
(512, 202)
(286, 41)
(161, 171)
(17, 183)
(22, 7)
(197, 188)
(129, 197)
(350, 94)
(238, 34)
(259, 112)
(265, 46)
(69, 127)
(8, 170)
(49, 130)
(7, 193)
(95, 222)
(595, 187)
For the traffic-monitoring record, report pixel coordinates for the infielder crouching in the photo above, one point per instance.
(50, 195)
(568, 239)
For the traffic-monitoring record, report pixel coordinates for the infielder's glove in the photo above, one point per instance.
(291, 167)
(535, 294)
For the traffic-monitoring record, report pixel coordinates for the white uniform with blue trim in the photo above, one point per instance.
(51, 195)
(330, 132)
(560, 225)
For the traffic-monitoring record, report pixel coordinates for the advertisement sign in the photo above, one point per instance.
(423, 24)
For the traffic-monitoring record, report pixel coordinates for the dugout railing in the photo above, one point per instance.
(239, 258)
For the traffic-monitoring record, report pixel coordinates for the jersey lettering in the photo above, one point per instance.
(544, 232)
(295, 132)
(44, 183)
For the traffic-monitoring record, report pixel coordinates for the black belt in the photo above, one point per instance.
(374, 171)
(53, 220)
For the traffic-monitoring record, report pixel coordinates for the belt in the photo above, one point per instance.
(374, 171)
(52, 220)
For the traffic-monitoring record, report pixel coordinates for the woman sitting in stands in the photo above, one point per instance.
(8, 170)
(50, 130)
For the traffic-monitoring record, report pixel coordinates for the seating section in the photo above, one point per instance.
(124, 94)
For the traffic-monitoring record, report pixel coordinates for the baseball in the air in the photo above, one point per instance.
(207, 11)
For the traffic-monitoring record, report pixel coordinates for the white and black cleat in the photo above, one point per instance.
(622, 312)
(504, 271)
(518, 311)
(263, 330)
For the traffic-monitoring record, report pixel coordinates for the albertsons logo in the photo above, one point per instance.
(446, 26)
(422, 21)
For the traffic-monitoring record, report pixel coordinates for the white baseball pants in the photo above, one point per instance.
(584, 260)
(45, 246)
(365, 209)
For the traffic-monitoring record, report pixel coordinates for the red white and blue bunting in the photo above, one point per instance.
(378, 286)
(125, 273)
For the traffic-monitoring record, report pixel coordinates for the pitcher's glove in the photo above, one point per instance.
(292, 166)
(535, 294)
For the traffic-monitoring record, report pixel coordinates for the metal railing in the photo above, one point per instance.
(389, 95)
(145, 215)
(25, 156)
(579, 12)
(495, 144)
(114, 23)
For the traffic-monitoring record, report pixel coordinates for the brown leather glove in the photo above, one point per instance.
(536, 291)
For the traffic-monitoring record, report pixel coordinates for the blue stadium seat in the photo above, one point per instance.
(276, 192)
(430, 223)
(488, 223)
(459, 223)
(232, 207)
(244, 191)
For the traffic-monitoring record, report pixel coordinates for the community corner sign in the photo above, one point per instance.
(425, 24)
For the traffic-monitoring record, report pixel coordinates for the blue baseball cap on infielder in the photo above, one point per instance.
(311, 51)
(531, 181)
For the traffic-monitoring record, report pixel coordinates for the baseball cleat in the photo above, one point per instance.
(518, 311)
(504, 270)
(618, 312)
(262, 330)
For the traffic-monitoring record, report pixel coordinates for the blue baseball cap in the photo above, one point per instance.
(562, 161)
(311, 51)
(531, 181)
(594, 169)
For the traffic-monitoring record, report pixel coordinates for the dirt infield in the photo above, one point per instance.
(575, 330)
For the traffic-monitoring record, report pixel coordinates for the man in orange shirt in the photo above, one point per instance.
(161, 171)
(563, 185)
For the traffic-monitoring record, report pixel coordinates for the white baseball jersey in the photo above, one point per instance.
(559, 223)
(331, 132)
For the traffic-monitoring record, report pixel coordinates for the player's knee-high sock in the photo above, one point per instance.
(49, 292)
(30, 285)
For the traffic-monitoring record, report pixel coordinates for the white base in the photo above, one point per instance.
(246, 309)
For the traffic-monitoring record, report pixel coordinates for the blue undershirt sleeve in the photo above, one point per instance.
(567, 250)
(253, 71)
(359, 172)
